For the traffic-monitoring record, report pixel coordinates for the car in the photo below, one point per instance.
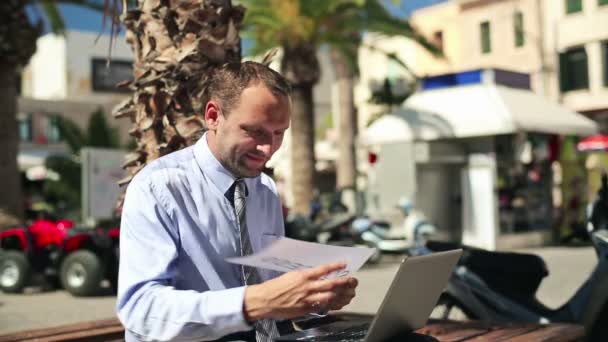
(75, 258)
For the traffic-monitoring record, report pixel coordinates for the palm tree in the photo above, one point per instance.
(300, 27)
(17, 44)
(175, 45)
(372, 17)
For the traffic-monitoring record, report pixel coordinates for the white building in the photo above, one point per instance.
(561, 44)
(67, 76)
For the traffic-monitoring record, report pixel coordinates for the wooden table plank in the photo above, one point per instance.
(446, 331)
(553, 333)
(504, 334)
(69, 332)
(479, 331)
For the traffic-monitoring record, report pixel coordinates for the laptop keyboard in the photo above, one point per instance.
(354, 333)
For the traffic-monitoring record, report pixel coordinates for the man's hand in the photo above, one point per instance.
(297, 293)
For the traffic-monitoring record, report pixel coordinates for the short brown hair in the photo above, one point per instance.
(228, 82)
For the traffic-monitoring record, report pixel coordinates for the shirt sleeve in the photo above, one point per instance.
(148, 306)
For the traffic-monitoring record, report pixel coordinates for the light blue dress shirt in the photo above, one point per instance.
(177, 229)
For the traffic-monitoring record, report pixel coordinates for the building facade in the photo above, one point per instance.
(68, 76)
(561, 44)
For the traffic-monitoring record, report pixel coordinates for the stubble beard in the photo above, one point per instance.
(240, 170)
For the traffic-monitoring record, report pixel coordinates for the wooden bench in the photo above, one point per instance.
(444, 331)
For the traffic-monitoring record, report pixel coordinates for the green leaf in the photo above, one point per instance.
(53, 15)
(100, 134)
(71, 134)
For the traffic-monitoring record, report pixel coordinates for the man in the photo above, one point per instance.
(188, 211)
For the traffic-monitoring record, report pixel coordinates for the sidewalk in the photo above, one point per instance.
(568, 268)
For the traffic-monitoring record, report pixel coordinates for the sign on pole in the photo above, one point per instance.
(101, 171)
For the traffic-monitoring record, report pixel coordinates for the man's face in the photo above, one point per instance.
(245, 139)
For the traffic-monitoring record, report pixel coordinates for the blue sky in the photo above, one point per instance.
(77, 18)
(408, 6)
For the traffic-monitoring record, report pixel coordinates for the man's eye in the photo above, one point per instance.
(253, 132)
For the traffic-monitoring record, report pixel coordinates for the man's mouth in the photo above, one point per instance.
(256, 158)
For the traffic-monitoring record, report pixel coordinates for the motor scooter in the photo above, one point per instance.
(501, 286)
(416, 229)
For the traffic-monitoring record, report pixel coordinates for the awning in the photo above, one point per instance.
(71, 108)
(593, 143)
(406, 124)
(477, 110)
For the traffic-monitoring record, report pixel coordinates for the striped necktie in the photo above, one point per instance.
(265, 329)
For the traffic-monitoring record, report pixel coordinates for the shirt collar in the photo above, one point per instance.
(217, 173)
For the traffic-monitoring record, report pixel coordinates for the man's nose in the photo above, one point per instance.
(266, 149)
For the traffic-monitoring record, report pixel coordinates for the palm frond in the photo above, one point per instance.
(269, 56)
(375, 18)
(53, 15)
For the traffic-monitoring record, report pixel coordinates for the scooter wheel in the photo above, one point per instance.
(375, 258)
(449, 308)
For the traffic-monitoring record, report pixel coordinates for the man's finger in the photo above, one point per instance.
(321, 299)
(326, 269)
(336, 284)
(341, 300)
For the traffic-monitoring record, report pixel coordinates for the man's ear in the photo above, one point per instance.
(212, 115)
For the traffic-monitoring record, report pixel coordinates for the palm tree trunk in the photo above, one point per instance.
(302, 148)
(301, 68)
(176, 45)
(11, 201)
(17, 44)
(346, 166)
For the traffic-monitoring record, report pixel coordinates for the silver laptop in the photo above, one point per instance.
(406, 306)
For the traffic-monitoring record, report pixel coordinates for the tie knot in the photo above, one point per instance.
(241, 186)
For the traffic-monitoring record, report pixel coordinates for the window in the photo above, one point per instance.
(438, 40)
(602, 2)
(605, 55)
(53, 134)
(394, 70)
(395, 77)
(106, 77)
(486, 44)
(518, 27)
(573, 69)
(25, 127)
(574, 6)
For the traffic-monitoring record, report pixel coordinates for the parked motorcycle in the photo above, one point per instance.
(415, 230)
(501, 286)
(333, 230)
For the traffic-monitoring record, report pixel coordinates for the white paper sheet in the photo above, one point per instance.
(287, 254)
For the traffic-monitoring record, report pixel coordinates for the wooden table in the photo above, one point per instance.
(478, 331)
(445, 331)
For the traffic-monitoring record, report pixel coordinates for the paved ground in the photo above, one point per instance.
(568, 268)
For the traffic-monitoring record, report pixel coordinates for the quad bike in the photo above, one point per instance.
(77, 259)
